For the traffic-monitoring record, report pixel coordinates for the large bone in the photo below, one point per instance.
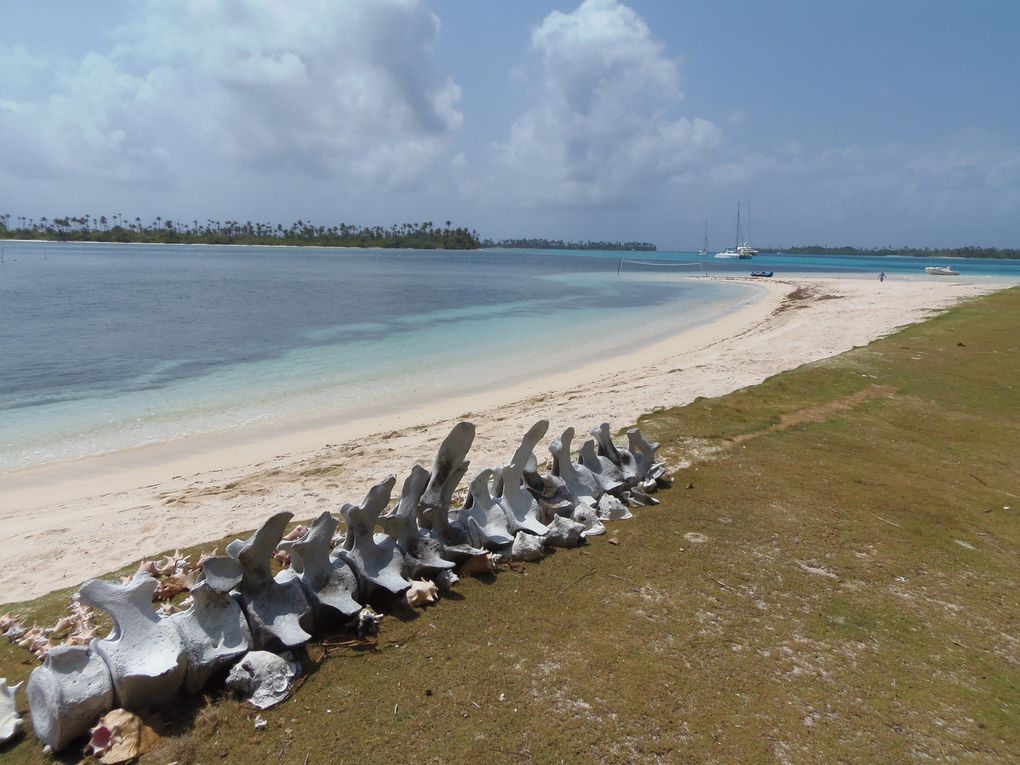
(608, 475)
(447, 471)
(579, 480)
(648, 470)
(214, 630)
(378, 563)
(622, 459)
(522, 511)
(277, 611)
(554, 499)
(10, 722)
(144, 651)
(483, 516)
(330, 583)
(68, 693)
(434, 505)
(423, 554)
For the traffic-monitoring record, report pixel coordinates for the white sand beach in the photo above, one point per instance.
(67, 522)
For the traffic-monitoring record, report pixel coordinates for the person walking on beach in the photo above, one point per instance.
(881, 276)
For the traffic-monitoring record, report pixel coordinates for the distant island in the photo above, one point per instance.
(302, 233)
(559, 244)
(903, 252)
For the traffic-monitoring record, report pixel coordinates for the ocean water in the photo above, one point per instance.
(836, 265)
(107, 347)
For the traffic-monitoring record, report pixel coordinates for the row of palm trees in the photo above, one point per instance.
(559, 244)
(117, 228)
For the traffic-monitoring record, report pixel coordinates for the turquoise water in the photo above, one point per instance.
(107, 347)
(842, 265)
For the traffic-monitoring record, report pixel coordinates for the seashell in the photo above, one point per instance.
(264, 678)
(588, 518)
(366, 622)
(421, 592)
(63, 624)
(527, 547)
(10, 722)
(478, 564)
(214, 553)
(612, 509)
(169, 564)
(149, 567)
(120, 737)
(295, 533)
(446, 580)
(167, 590)
(564, 532)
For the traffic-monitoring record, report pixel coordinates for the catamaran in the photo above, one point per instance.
(743, 251)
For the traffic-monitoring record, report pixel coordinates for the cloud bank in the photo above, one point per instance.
(197, 90)
(603, 127)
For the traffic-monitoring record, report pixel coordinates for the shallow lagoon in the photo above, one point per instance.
(106, 347)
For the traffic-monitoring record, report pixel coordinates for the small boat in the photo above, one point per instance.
(704, 248)
(761, 273)
(941, 271)
(743, 251)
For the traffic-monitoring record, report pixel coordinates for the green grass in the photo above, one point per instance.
(830, 615)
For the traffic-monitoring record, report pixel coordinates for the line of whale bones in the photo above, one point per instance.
(243, 616)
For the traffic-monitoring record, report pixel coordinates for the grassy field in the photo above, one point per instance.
(833, 578)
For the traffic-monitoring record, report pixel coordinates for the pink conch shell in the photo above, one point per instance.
(119, 737)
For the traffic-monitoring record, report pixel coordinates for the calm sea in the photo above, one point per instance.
(106, 347)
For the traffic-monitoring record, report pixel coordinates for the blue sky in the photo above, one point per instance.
(867, 123)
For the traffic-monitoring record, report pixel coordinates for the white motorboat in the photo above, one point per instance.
(941, 271)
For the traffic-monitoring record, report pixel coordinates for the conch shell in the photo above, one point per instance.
(119, 737)
(421, 592)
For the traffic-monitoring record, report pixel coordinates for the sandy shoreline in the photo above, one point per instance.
(87, 517)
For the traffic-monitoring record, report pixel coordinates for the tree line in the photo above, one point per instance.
(907, 252)
(559, 244)
(117, 228)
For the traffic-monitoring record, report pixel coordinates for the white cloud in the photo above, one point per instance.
(602, 129)
(193, 91)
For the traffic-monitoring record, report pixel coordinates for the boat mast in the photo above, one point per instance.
(705, 248)
(749, 220)
(738, 226)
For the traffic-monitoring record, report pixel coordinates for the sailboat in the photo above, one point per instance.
(704, 247)
(742, 251)
(745, 249)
